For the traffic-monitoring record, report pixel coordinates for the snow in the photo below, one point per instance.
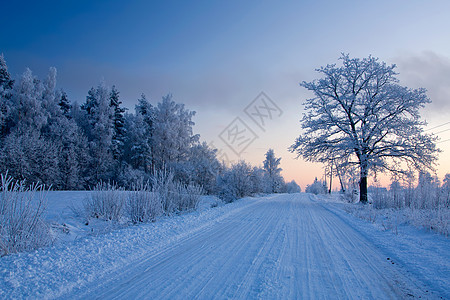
(273, 247)
(422, 253)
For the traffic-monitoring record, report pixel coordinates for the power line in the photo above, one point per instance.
(441, 131)
(437, 126)
(443, 141)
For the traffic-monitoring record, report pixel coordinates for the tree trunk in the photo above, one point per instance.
(364, 172)
(331, 179)
(363, 190)
(340, 179)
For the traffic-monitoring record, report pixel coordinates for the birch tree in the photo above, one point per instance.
(360, 112)
(173, 133)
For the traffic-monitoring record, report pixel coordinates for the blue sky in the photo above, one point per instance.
(217, 56)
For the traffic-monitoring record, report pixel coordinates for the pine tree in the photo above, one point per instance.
(145, 109)
(65, 105)
(6, 85)
(98, 128)
(137, 151)
(91, 102)
(144, 148)
(118, 124)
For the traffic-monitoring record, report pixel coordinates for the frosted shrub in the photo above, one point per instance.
(367, 213)
(260, 181)
(106, 202)
(145, 202)
(164, 187)
(129, 178)
(379, 196)
(430, 219)
(396, 195)
(427, 192)
(382, 198)
(143, 205)
(317, 187)
(187, 196)
(22, 227)
(172, 195)
(226, 190)
(446, 192)
(236, 182)
(425, 206)
(292, 187)
(241, 174)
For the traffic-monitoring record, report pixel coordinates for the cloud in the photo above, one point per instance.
(431, 71)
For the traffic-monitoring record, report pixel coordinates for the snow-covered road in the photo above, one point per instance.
(278, 247)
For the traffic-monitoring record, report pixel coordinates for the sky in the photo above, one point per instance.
(217, 57)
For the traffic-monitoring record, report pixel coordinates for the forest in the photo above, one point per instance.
(46, 137)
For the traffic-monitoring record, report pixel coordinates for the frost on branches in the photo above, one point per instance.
(361, 115)
(273, 172)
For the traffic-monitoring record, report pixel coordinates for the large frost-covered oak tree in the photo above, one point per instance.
(361, 115)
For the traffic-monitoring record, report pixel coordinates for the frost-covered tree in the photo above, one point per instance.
(173, 134)
(235, 182)
(62, 132)
(98, 128)
(146, 110)
(136, 148)
(51, 109)
(395, 189)
(140, 135)
(6, 83)
(42, 151)
(6, 86)
(317, 187)
(118, 121)
(26, 103)
(292, 187)
(359, 112)
(446, 191)
(49, 103)
(91, 102)
(27, 155)
(427, 191)
(64, 104)
(72, 152)
(71, 157)
(200, 168)
(273, 171)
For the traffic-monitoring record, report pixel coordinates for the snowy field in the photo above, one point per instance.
(288, 246)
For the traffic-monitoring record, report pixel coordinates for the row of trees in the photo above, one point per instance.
(45, 137)
(424, 191)
(242, 179)
(429, 193)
